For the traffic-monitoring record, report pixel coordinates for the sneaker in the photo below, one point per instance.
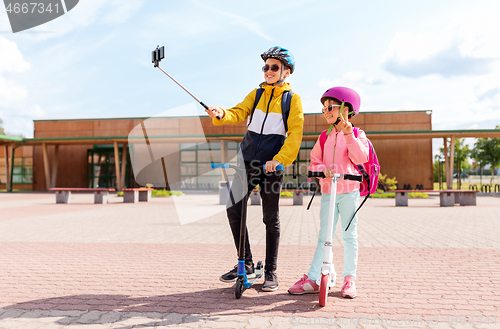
(304, 286)
(349, 288)
(233, 274)
(270, 281)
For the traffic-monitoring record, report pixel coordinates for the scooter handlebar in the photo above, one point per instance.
(226, 166)
(220, 165)
(320, 174)
(357, 178)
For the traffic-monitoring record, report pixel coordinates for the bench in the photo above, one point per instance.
(63, 194)
(447, 198)
(298, 196)
(134, 195)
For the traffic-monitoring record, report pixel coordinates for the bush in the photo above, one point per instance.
(165, 193)
(382, 195)
(386, 184)
(415, 195)
(158, 193)
(286, 194)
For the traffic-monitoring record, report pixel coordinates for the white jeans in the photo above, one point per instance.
(345, 204)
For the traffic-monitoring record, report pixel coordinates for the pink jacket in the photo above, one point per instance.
(347, 148)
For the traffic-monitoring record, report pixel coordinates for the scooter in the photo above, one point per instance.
(242, 282)
(328, 275)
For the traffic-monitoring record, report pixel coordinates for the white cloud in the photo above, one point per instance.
(84, 14)
(11, 59)
(15, 112)
(121, 10)
(11, 93)
(239, 21)
(468, 47)
(353, 79)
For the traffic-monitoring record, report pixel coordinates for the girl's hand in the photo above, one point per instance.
(214, 112)
(344, 123)
(328, 173)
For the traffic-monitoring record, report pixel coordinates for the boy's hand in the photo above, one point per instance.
(271, 165)
(214, 112)
(344, 123)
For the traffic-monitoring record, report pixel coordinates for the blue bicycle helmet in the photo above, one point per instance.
(281, 54)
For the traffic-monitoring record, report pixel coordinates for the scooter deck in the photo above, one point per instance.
(258, 274)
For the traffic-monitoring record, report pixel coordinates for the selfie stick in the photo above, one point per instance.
(157, 55)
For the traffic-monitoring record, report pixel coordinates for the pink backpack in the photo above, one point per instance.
(370, 171)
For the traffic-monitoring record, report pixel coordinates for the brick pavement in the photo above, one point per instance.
(133, 265)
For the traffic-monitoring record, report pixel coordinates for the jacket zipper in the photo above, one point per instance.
(264, 122)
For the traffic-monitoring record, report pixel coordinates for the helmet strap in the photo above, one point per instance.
(330, 129)
(281, 75)
(338, 120)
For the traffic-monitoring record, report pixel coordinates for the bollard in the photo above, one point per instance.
(255, 198)
(298, 198)
(224, 192)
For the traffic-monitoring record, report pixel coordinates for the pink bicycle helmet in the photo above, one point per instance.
(345, 95)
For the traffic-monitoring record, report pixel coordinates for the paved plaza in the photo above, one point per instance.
(156, 265)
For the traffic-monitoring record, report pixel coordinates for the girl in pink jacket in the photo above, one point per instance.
(342, 150)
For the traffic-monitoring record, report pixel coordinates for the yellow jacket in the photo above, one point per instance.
(266, 138)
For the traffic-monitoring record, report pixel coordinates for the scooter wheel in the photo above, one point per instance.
(259, 265)
(239, 289)
(323, 289)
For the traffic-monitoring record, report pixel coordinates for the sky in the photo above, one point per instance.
(95, 61)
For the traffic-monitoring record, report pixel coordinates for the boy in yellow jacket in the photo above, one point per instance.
(270, 141)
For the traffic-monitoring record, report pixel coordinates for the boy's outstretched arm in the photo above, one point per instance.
(235, 114)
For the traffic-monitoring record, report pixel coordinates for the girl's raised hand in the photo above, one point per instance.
(344, 120)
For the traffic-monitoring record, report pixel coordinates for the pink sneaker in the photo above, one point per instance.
(304, 286)
(349, 288)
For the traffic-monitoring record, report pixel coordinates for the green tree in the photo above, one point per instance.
(2, 131)
(461, 154)
(487, 152)
(439, 158)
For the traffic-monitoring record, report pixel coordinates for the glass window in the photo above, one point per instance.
(206, 156)
(188, 169)
(101, 169)
(188, 156)
(195, 168)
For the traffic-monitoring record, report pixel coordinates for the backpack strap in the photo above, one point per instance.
(258, 95)
(286, 101)
(310, 201)
(363, 172)
(322, 140)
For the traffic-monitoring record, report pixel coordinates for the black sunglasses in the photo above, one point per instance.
(274, 68)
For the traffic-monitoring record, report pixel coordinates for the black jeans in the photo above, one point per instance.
(270, 189)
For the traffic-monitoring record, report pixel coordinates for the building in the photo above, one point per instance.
(82, 152)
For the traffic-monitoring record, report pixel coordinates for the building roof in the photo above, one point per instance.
(206, 116)
(424, 134)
